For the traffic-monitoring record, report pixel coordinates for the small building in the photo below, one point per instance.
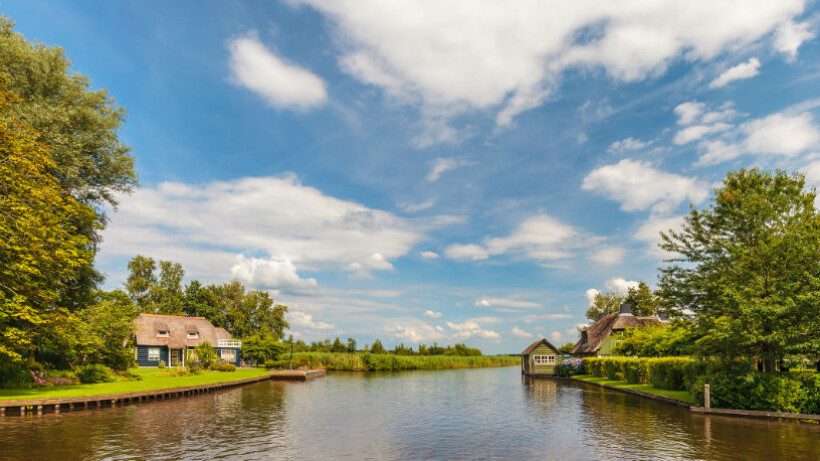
(598, 339)
(172, 338)
(539, 359)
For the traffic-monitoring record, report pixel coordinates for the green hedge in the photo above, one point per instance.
(668, 373)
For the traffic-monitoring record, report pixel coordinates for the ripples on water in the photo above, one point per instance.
(460, 414)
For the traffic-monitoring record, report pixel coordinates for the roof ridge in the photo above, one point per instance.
(171, 316)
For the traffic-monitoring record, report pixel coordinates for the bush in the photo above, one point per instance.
(259, 349)
(754, 391)
(161, 364)
(594, 366)
(128, 375)
(12, 375)
(570, 367)
(206, 354)
(173, 373)
(668, 373)
(194, 368)
(636, 371)
(613, 367)
(95, 373)
(223, 367)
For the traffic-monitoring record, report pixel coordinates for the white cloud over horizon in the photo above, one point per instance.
(742, 71)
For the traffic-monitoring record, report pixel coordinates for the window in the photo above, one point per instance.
(153, 354)
(193, 335)
(162, 334)
(228, 355)
(543, 359)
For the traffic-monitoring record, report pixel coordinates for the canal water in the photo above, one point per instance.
(460, 414)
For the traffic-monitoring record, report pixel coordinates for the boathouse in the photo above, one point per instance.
(598, 339)
(539, 359)
(172, 338)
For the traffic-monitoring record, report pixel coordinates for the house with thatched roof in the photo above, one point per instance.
(172, 338)
(598, 339)
(540, 358)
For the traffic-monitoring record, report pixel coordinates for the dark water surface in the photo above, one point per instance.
(461, 414)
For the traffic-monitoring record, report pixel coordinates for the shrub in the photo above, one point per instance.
(570, 367)
(753, 391)
(668, 373)
(613, 367)
(95, 373)
(223, 367)
(12, 375)
(636, 371)
(194, 367)
(128, 375)
(593, 366)
(161, 364)
(173, 373)
(260, 349)
(206, 354)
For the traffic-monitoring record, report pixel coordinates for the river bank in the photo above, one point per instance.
(390, 362)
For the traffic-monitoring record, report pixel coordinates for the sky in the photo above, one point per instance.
(435, 171)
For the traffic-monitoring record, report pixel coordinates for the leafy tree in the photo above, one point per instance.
(199, 301)
(300, 346)
(141, 281)
(338, 346)
(749, 266)
(168, 297)
(351, 345)
(659, 341)
(260, 348)
(377, 347)
(566, 349)
(40, 248)
(605, 302)
(154, 294)
(80, 126)
(644, 303)
(206, 354)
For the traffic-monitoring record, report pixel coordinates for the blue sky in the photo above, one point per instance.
(435, 171)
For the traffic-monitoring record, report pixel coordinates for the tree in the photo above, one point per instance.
(351, 346)
(260, 348)
(140, 282)
(168, 296)
(206, 354)
(80, 126)
(338, 346)
(748, 265)
(40, 248)
(644, 303)
(606, 302)
(657, 341)
(566, 349)
(377, 347)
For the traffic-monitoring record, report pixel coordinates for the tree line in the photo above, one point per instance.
(350, 347)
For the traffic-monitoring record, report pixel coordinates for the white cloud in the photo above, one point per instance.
(470, 328)
(416, 207)
(432, 314)
(607, 255)
(638, 186)
(206, 226)
(780, 134)
(505, 302)
(695, 132)
(464, 252)
(688, 112)
(649, 232)
(418, 333)
(620, 285)
(280, 83)
(305, 320)
(265, 273)
(441, 165)
(556, 337)
(626, 145)
(451, 57)
(741, 71)
(790, 35)
(532, 318)
(429, 255)
(590, 294)
(715, 152)
(812, 173)
(521, 333)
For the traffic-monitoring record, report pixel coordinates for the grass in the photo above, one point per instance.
(648, 388)
(388, 362)
(150, 382)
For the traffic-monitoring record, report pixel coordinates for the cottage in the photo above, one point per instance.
(539, 359)
(172, 338)
(598, 340)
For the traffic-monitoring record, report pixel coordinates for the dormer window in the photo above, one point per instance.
(162, 334)
(193, 335)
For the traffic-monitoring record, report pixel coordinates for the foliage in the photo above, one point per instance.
(570, 367)
(206, 354)
(644, 303)
(260, 348)
(193, 368)
(668, 373)
(675, 339)
(605, 302)
(161, 364)
(14, 375)
(377, 347)
(95, 373)
(338, 346)
(351, 346)
(636, 371)
(299, 361)
(392, 362)
(127, 375)
(152, 293)
(566, 349)
(219, 366)
(663, 373)
(749, 266)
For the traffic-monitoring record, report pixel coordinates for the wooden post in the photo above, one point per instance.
(3, 411)
(707, 397)
(22, 411)
(57, 408)
(39, 409)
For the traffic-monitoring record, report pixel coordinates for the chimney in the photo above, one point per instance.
(626, 309)
(601, 315)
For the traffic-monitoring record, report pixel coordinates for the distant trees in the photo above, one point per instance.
(337, 346)
(377, 347)
(566, 349)
(605, 302)
(642, 300)
(351, 346)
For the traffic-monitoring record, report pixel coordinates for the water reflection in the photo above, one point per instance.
(462, 414)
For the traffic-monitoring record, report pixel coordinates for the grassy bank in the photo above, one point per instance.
(150, 382)
(387, 362)
(648, 388)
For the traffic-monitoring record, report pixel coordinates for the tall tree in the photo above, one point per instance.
(80, 126)
(141, 279)
(642, 300)
(605, 302)
(749, 266)
(168, 296)
(351, 345)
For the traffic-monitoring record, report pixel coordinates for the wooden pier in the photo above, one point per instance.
(38, 406)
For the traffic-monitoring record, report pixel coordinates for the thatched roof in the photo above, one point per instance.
(600, 330)
(532, 347)
(178, 327)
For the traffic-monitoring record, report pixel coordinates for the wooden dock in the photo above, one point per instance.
(55, 405)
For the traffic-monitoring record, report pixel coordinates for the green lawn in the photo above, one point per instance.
(150, 382)
(648, 388)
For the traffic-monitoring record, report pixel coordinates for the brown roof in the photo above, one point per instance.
(600, 330)
(532, 347)
(178, 327)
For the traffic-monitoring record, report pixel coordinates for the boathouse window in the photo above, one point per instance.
(153, 354)
(162, 334)
(193, 335)
(228, 355)
(543, 359)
